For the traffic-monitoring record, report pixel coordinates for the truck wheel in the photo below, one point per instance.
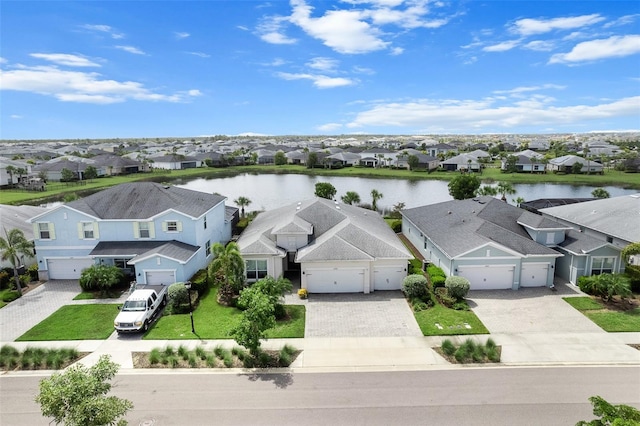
(145, 326)
(164, 301)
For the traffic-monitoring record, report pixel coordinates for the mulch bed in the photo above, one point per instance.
(453, 360)
(64, 365)
(141, 360)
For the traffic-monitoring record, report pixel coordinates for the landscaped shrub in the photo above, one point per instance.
(178, 302)
(438, 281)
(443, 296)
(415, 286)
(10, 296)
(200, 282)
(5, 279)
(435, 271)
(460, 305)
(589, 285)
(100, 277)
(458, 287)
(33, 272)
(415, 266)
(448, 348)
(470, 351)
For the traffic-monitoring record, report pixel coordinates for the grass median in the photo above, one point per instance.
(606, 317)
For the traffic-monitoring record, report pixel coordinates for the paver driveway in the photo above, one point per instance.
(530, 310)
(378, 314)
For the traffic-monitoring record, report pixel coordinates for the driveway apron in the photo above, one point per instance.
(378, 314)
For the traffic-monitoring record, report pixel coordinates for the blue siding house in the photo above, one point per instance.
(155, 233)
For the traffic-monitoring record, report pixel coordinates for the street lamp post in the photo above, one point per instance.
(188, 286)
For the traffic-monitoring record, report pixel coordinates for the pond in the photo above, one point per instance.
(269, 191)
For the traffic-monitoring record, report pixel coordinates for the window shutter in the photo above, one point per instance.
(165, 226)
(96, 230)
(36, 231)
(136, 230)
(179, 226)
(152, 230)
(52, 231)
(80, 231)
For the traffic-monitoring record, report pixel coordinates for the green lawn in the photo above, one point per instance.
(452, 322)
(75, 322)
(607, 319)
(214, 321)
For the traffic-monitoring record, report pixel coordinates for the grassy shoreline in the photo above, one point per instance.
(56, 191)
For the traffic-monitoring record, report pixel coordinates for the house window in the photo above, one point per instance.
(207, 248)
(144, 230)
(256, 269)
(87, 230)
(172, 226)
(602, 265)
(120, 263)
(43, 230)
(551, 237)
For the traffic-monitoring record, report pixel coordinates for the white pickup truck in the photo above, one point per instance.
(140, 308)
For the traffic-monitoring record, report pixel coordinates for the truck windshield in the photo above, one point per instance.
(134, 305)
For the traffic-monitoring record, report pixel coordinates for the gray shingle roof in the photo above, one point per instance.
(577, 242)
(15, 217)
(143, 200)
(460, 226)
(176, 250)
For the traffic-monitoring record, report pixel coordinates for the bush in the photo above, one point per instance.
(10, 296)
(442, 294)
(435, 271)
(415, 266)
(448, 348)
(100, 277)
(200, 282)
(458, 287)
(5, 279)
(415, 286)
(438, 281)
(33, 272)
(589, 285)
(178, 302)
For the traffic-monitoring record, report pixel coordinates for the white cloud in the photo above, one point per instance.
(488, 114)
(524, 89)
(329, 127)
(271, 31)
(363, 70)
(344, 31)
(104, 29)
(502, 47)
(612, 47)
(320, 81)
(15, 116)
(529, 26)
(540, 45)
(395, 51)
(242, 27)
(131, 49)
(83, 87)
(323, 64)
(277, 62)
(181, 35)
(65, 59)
(3, 60)
(623, 20)
(199, 54)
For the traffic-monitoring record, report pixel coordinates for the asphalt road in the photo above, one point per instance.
(466, 396)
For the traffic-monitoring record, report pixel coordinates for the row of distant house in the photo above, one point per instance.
(164, 234)
(431, 158)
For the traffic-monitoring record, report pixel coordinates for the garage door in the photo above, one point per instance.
(67, 269)
(488, 277)
(534, 274)
(161, 277)
(388, 278)
(335, 280)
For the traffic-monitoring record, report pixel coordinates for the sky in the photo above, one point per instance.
(148, 69)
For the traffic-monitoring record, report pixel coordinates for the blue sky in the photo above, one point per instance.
(109, 69)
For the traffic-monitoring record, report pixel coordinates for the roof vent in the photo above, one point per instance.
(338, 207)
(449, 212)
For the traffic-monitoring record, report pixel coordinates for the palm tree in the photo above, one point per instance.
(505, 188)
(14, 247)
(227, 266)
(351, 197)
(376, 196)
(242, 202)
(11, 170)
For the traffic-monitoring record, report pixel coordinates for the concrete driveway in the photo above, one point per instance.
(530, 310)
(378, 314)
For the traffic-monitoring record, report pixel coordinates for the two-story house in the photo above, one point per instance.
(158, 234)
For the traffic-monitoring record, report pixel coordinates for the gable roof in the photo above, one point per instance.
(460, 226)
(617, 216)
(338, 232)
(16, 217)
(143, 200)
(141, 250)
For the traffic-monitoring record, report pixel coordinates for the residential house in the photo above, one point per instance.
(439, 149)
(345, 158)
(425, 162)
(566, 162)
(600, 229)
(9, 171)
(15, 217)
(491, 243)
(116, 165)
(174, 162)
(333, 248)
(462, 162)
(158, 234)
(77, 165)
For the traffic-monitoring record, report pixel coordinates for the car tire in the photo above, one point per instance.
(145, 326)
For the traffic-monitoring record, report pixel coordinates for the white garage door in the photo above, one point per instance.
(335, 280)
(67, 269)
(161, 277)
(488, 277)
(388, 277)
(534, 274)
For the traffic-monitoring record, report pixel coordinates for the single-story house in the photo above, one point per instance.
(491, 243)
(464, 162)
(158, 234)
(334, 247)
(566, 162)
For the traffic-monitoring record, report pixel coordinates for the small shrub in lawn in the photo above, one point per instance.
(54, 360)
(193, 362)
(490, 344)
(178, 302)
(448, 348)
(228, 360)
(435, 271)
(284, 359)
(478, 353)
(438, 281)
(173, 361)
(460, 306)
(10, 296)
(288, 349)
(219, 351)
(248, 362)
(210, 361)
(154, 356)
(8, 350)
(264, 359)
(458, 287)
(442, 294)
(419, 306)
(461, 354)
(200, 352)
(279, 312)
(415, 286)
(493, 355)
(169, 351)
